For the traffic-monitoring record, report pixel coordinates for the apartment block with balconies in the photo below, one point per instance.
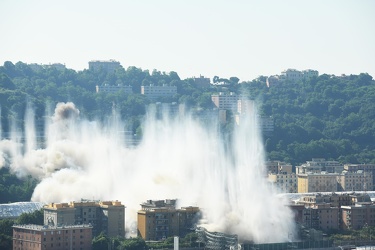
(158, 220)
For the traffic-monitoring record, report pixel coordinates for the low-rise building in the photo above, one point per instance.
(153, 92)
(108, 66)
(37, 237)
(114, 88)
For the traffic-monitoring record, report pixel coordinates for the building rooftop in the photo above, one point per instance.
(13, 210)
(48, 227)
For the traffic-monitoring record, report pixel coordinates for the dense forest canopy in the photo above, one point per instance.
(327, 116)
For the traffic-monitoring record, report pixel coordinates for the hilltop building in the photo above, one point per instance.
(227, 101)
(153, 92)
(202, 82)
(37, 237)
(104, 216)
(38, 67)
(108, 66)
(161, 219)
(291, 75)
(114, 88)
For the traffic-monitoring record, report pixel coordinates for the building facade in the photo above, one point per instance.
(355, 181)
(321, 217)
(153, 92)
(159, 220)
(317, 182)
(358, 215)
(364, 167)
(114, 88)
(284, 183)
(37, 237)
(227, 101)
(108, 66)
(104, 216)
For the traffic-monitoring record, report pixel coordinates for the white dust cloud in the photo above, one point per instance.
(177, 159)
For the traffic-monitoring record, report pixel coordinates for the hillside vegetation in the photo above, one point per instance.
(327, 116)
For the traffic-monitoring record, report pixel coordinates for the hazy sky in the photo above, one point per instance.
(240, 38)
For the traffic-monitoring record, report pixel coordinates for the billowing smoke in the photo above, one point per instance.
(177, 158)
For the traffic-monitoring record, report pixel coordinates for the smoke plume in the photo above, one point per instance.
(177, 158)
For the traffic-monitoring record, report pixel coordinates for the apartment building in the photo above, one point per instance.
(37, 237)
(158, 220)
(317, 182)
(104, 216)
(358, 215)
(318, 165)
(108, 66)
(355, 181)
(114, 88)
(278, 167)
(321, 217)
(153, 92)
(364, 167)
(228, 101)
(284, 183)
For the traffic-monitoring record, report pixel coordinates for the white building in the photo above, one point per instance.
(114, 88)
(154, 92)
(108, 66)
(226, 101)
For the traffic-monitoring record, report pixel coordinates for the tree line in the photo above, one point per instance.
(326, 116)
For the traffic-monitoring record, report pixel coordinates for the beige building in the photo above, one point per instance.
(104, 216)
(309, 73)
(317, 182)
(158, 220)
(292, 75)
(153, 92)
(278, 167)
(364, 167)
(285, 183)
(355, 181)
(37, 237)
